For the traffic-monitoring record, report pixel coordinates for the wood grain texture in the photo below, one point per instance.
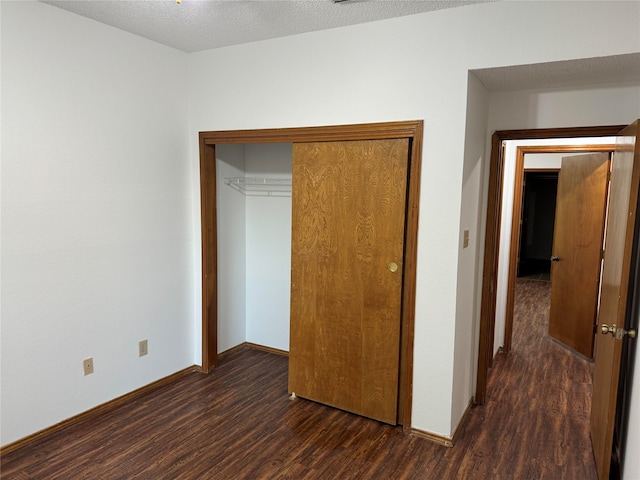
(514, 254)
(238, 423)
(490, 269)
(209, 236)
(407, 333)
(621, 226)
(329, 133)
(411, 130)
(348, 222)
(118, 402)
(541, 390)
(492, 234)
(577, 241)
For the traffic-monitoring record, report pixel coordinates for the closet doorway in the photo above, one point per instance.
(412, 132)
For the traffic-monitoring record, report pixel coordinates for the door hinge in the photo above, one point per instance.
(602, 254)
(609, 176)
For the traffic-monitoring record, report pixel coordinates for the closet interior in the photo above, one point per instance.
(254, 244)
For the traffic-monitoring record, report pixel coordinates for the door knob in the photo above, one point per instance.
(608, 329)
(619, 333)
(393, 267)
(554, 258)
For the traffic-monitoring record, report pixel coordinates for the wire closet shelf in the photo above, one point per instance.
(260, 187)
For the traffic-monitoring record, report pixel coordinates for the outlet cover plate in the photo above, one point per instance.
(87, 366)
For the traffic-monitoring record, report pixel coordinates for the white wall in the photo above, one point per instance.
(611, 104)
(254, 249)
(412, 67)
(469, 267)
(268, 255)
(232, 241)
(406, 68)
(97, 212)
(550, 161)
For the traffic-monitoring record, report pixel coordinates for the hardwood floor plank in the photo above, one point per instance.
(239, 423)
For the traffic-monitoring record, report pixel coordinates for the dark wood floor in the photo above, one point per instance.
(238, 423)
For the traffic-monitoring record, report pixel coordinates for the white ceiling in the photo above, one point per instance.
(580, 72)
(195, 25)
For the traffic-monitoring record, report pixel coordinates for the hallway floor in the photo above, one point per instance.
(539, 397)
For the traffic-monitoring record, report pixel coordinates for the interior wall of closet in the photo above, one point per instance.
(254, 244)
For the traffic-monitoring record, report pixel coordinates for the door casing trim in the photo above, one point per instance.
(412, 130)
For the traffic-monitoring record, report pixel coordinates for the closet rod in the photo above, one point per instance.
(265, 187)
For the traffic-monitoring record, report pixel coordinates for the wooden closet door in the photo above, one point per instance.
(348, 221)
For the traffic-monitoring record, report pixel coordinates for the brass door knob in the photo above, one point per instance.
(393, 267)
(608, 329)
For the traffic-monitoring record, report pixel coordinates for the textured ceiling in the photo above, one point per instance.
(195, 25)
(587, 71)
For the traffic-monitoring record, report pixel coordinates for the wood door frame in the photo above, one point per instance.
(629, 351)
(412, 130)
(518, 195)
(492, 234)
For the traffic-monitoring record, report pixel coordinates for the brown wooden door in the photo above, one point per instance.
(348, 221)
(621, 221)
(577, 246)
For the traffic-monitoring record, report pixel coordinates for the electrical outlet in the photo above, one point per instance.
(143, 348)
(87, 365)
